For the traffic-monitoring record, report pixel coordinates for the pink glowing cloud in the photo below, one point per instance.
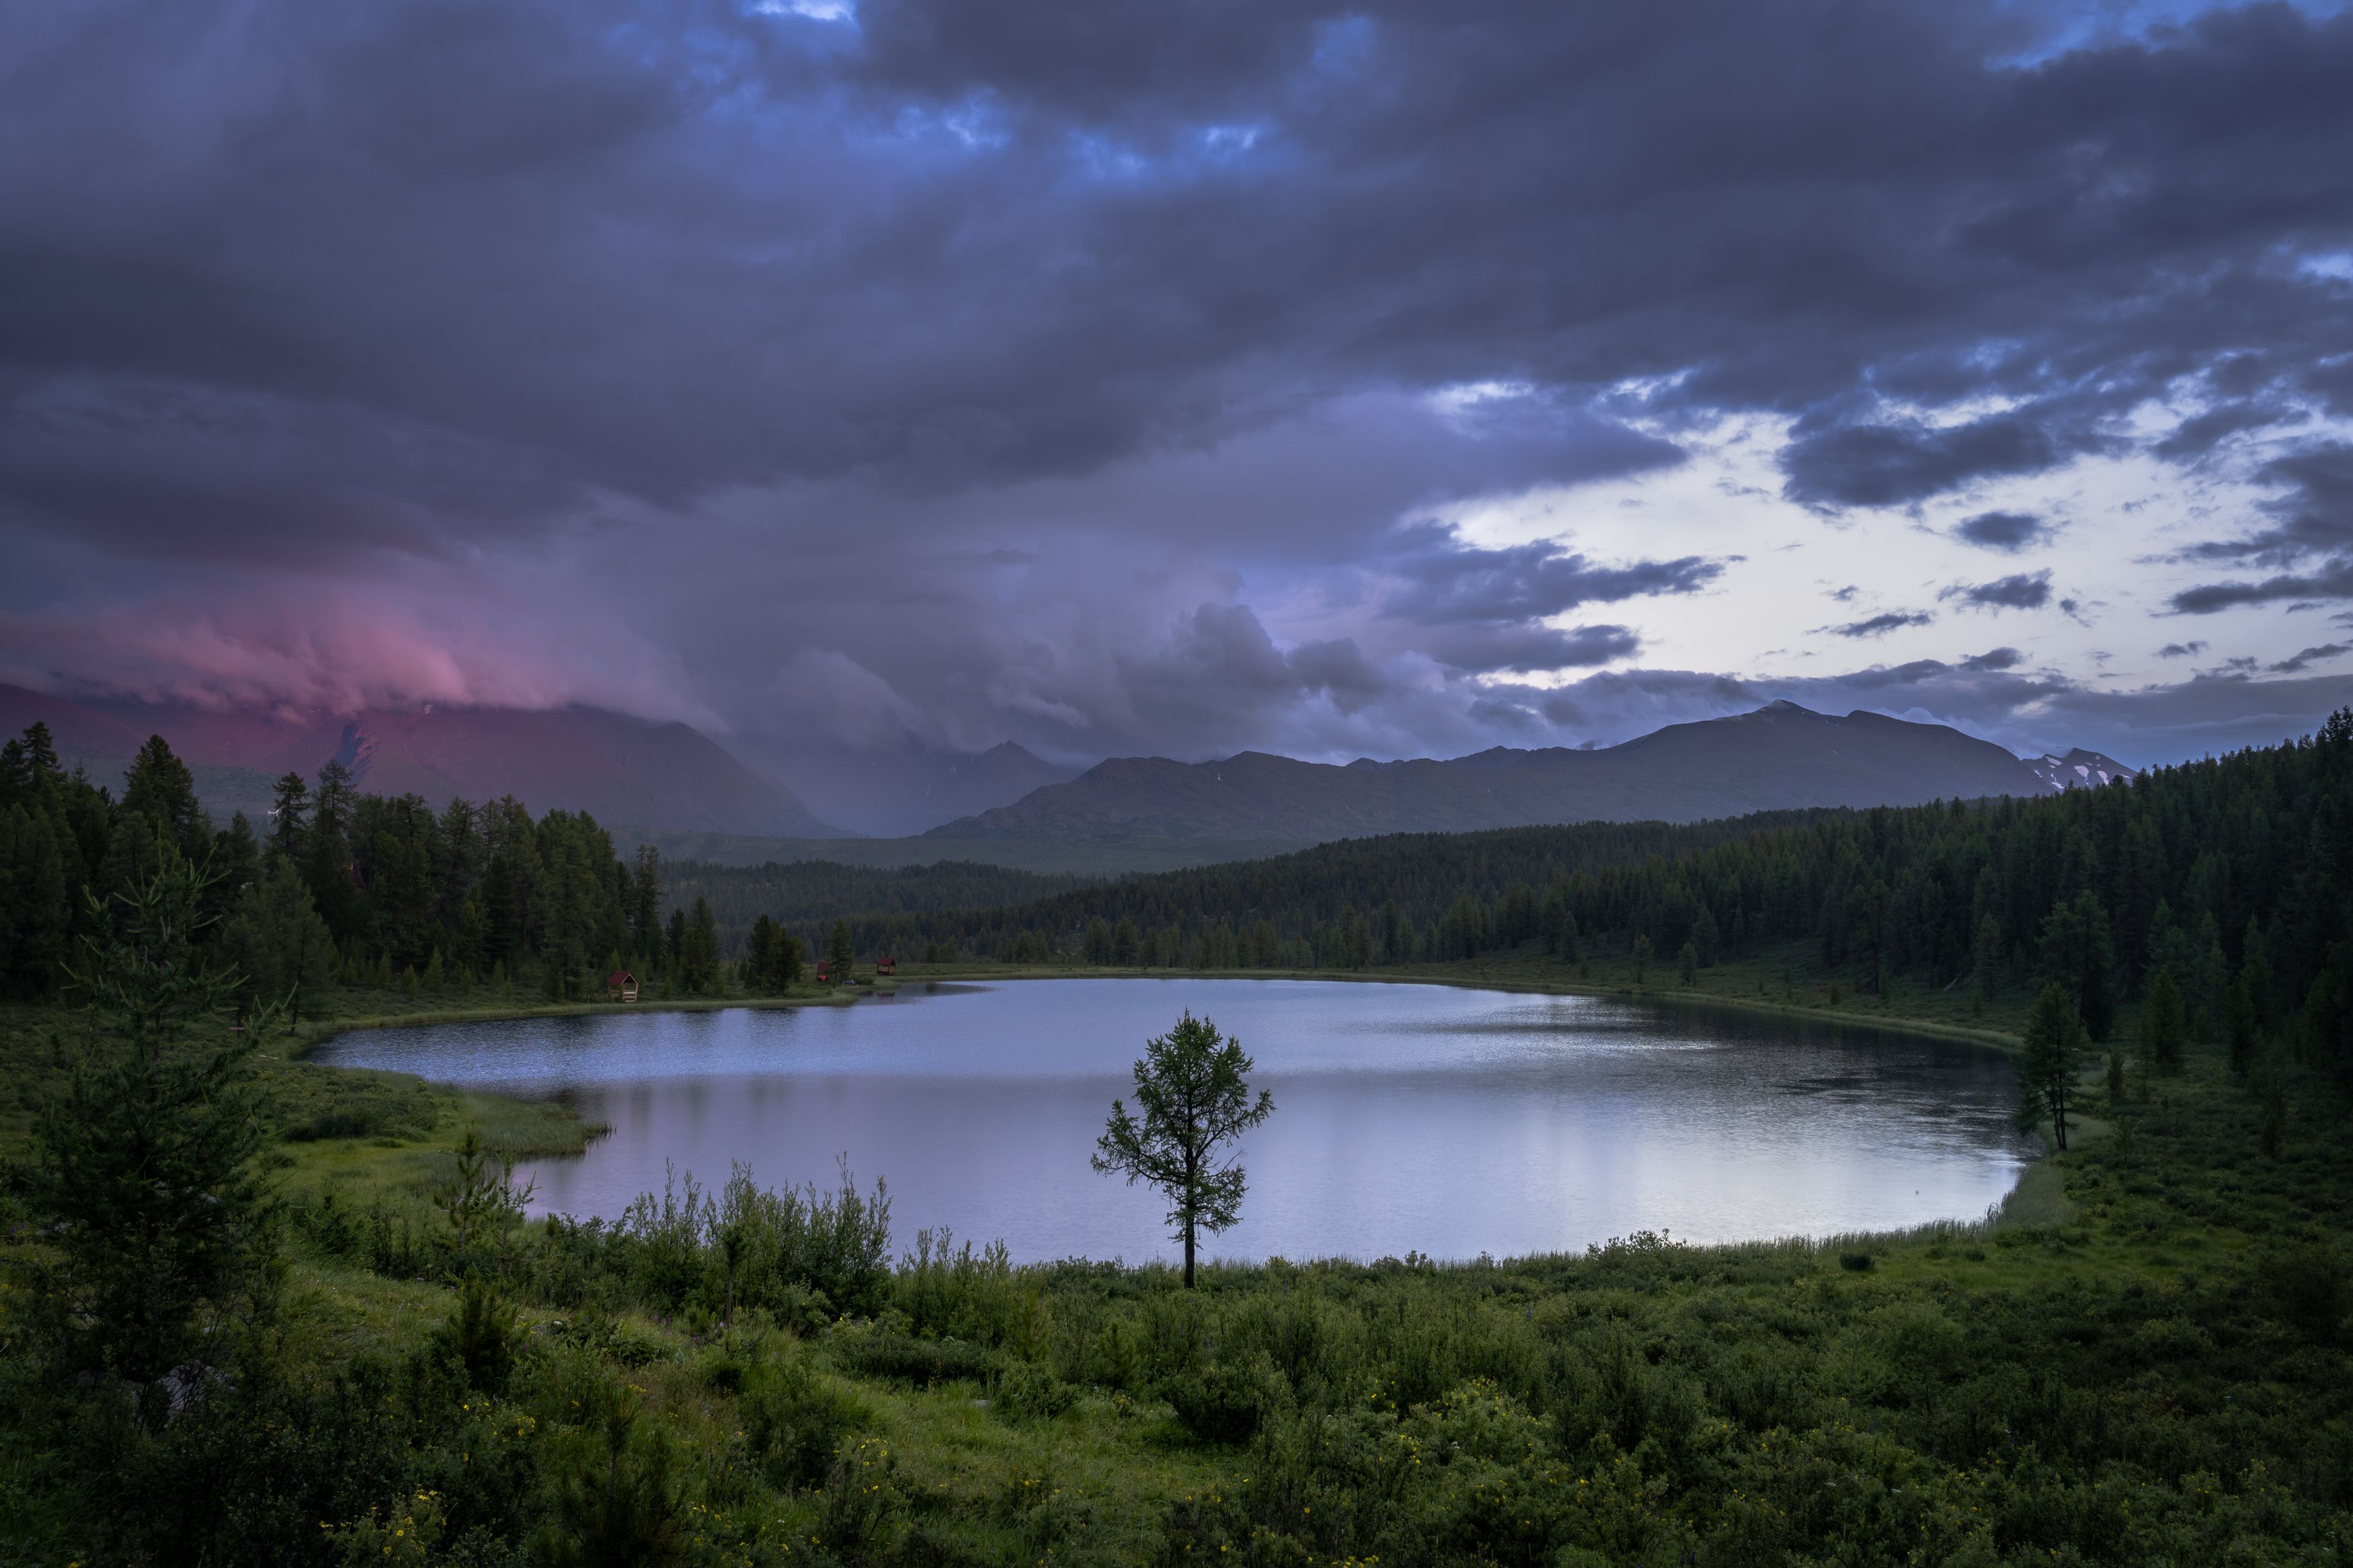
(342, 652)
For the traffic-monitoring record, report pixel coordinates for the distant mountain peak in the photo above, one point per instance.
(2079, 769)
(1684, 773)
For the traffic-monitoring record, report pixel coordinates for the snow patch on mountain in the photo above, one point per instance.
(2079, 769)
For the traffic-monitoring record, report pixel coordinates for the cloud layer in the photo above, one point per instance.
(1180, 379)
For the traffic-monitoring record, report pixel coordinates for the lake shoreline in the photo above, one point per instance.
(316, 1034)
(1297, 1021)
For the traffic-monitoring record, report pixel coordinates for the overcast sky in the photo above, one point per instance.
(1181, 378)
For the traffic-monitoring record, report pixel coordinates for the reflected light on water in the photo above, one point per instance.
(1435, 1119)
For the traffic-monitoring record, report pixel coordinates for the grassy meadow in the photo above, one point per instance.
(2142, 1359)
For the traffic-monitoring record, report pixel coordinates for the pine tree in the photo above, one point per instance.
(329, 863)
(36, 902)
(143, 1173)
(289, 814)
(278, 942)
(2164, 1029)
(702, 947)
(2048, 1066)
(2241, 1023)
(645, 902)
(1986, 958)
(160, 788)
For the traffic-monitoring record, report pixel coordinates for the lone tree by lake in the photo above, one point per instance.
(2048, 1066)
(1192, 1085)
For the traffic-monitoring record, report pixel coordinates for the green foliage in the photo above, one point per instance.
(1225, 1401)
(2051, 1061)
(794, 1420)
(279, 945)
(1192, 1085)
(904, 1358)
(142, 1172)
(792, 1251)
(479, 1196)
(2164, 1025)
(617, 1504)
(481, 1335)
(772, 958)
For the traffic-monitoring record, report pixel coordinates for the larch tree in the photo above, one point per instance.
(1192, 1087)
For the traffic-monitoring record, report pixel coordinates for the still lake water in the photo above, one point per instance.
(1446, 1120)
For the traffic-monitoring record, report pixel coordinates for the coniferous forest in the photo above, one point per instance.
(259, 1311)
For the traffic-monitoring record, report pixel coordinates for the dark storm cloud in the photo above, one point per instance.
(2335, 581)
(1447, 582)
(2313, 514)
(2009, 532)
(2021, 591)
(1899, 462)
(1879, 625)
(2196, 436)
(1527, 649)
(888, 336)
(2297, 663)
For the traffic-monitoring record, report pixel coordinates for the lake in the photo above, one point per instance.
(1435, 1119)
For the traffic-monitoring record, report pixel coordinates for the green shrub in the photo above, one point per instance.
(1855, 1262)
(2310, 1286)
(861, 1512)
(481, 1335)
(884, 1353)
(1026, 1391)
(1224, 1402)
(616, 1502)
(794, 1420)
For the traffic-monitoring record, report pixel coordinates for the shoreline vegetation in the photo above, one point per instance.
(360, 1351)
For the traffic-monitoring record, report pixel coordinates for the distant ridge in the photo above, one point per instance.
(1780, 756)
(617, 768)
(907, 788)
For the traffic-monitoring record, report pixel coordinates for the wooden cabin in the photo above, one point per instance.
(886, 964)
(620, 986)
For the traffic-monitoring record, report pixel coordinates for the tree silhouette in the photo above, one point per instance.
(1191, 1084)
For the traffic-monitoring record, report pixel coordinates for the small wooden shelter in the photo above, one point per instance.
(620, 986)
(886, 964)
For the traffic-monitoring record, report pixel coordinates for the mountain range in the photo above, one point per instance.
(1780, 755)
(889, 791)
(668, 779)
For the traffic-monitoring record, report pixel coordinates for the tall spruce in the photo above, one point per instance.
(143, 1171)
(2164, 1025)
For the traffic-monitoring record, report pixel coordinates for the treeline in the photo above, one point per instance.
(810, 895)
(2227, 873)
(1349, 903)
(341, 887)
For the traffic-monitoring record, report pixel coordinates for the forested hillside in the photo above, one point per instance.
(809, 893)
(2227, 873)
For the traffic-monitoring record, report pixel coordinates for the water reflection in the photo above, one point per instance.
(1409, 1117)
